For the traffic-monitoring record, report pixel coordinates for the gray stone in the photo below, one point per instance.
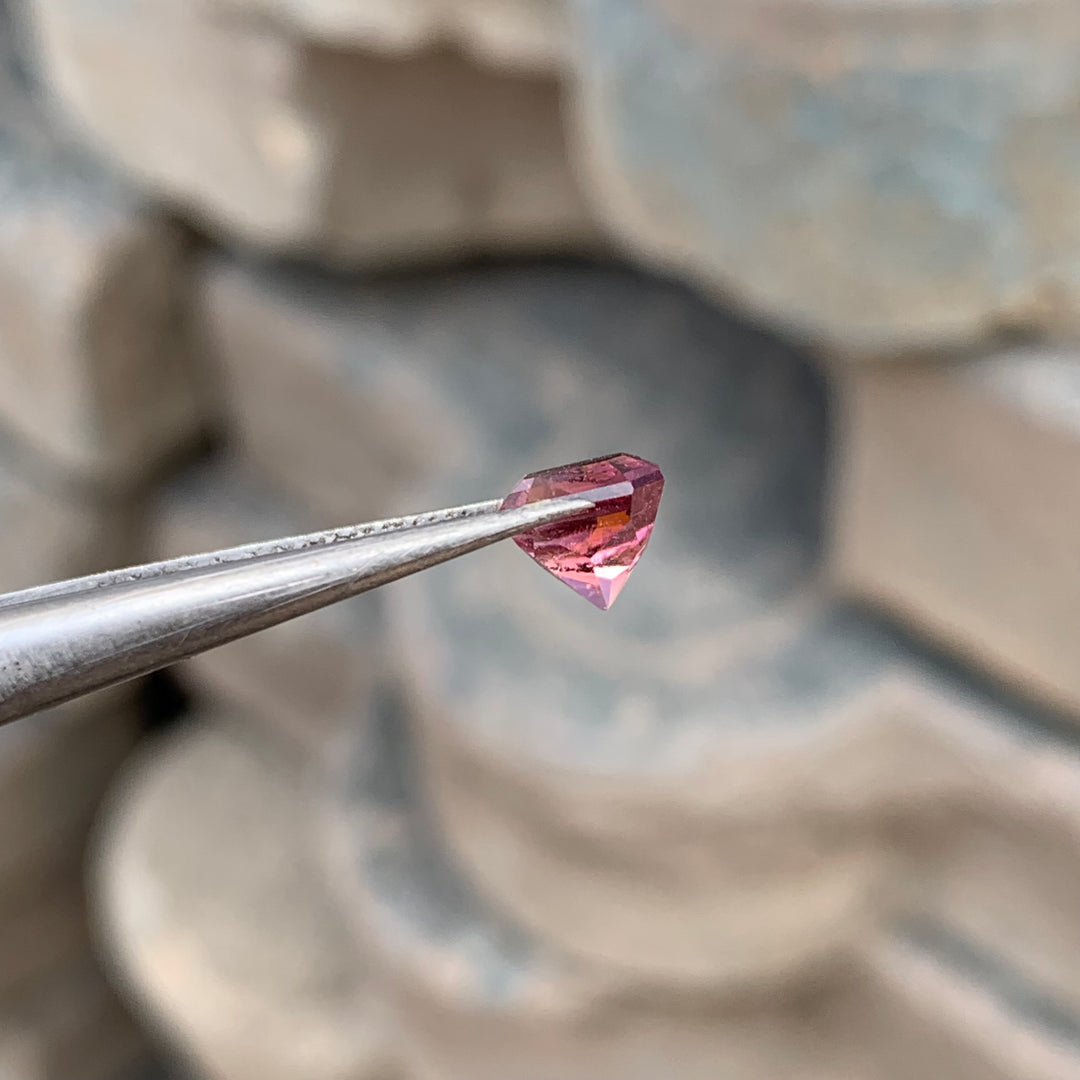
(953, 508)
(654, 786)
(607, 777)
(751, 864)
(724, 690)
(217, 919)
(351, 396)
(302, 680)
(878, 176)
(349, 157)
(480, 998)
(772, 853)
(94, 371)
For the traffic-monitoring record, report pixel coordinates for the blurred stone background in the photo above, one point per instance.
(806, 804)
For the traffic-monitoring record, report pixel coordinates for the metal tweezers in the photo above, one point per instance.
(60, 641)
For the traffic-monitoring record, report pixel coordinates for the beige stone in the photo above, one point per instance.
(48, 533)
(517, 34)
(54, 768)
(1003, 869)
(880, 176)
(980, 808)
(349, 157)
(324, 401)
(953, 508)
(651, 788)
(302, 680)
(42, 932)
(928, 1004)
(726, 732)
(18, 1060)
(692, 785)
(740, 872)
(55, 765)
(94, 368)
(218, 923)
(480, 998)
(68, 1027)
(774, 853)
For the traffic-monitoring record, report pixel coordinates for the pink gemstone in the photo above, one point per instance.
(593, 554)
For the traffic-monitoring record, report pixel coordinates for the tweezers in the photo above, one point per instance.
(64, 640)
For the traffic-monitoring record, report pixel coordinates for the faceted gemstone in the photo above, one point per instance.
(594, 553)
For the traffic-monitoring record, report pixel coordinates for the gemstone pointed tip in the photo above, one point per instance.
(593, 553)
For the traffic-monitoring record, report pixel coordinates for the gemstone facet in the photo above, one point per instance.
(593, 553)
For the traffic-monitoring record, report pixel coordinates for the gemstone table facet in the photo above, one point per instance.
(596, 553)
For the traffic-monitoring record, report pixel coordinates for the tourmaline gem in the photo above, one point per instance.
(595, 553)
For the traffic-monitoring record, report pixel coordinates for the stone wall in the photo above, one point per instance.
(806, 803)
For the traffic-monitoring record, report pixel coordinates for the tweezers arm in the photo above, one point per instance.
(60, 642)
